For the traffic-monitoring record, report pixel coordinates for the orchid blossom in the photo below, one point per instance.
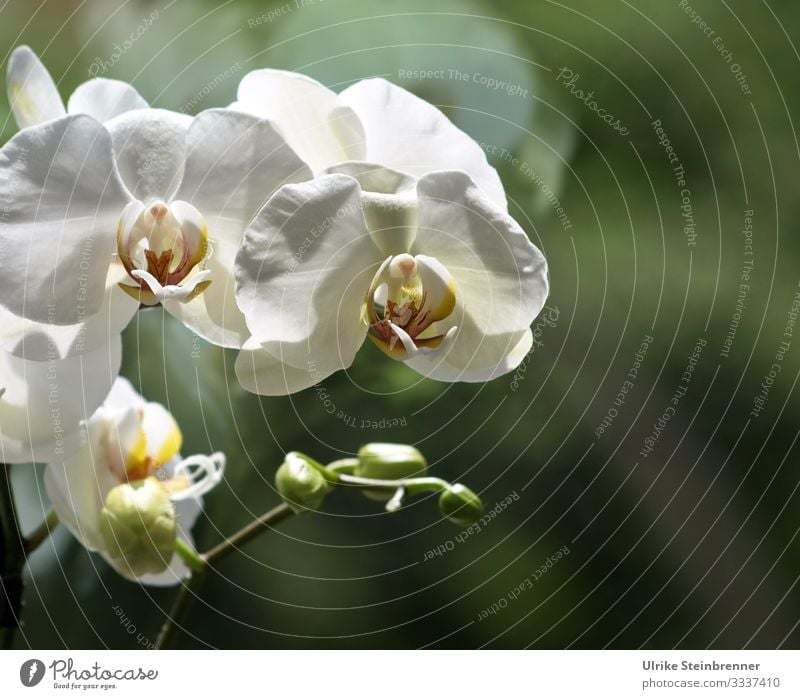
(34, 96)
(404, 237)
(130, 459)
(430, 270)
(148, 207)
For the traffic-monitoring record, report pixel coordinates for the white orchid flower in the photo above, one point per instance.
(430, 269)
(149, 207)
(371, 121)
(34, 96)
(130, 472)
(43, 404)
(408, 243)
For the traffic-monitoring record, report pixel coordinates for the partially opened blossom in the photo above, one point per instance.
(371, 121)
(149, 207)
(34, 96)
(43, 404)
(431, 270)
(128, 494)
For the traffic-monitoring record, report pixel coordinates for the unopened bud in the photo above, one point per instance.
(301, 486)
(390, 462)
(460, 505)
(138, 527)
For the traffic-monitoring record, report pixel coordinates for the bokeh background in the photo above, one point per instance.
(693, 544)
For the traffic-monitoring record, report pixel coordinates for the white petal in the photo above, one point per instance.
(62, 199)
(123, 395)
(150, 147)
(78, 487)
(501, 276)
(479, 366)
(32, 93)
(105, 99)
(261, 372)
(43, 403)
(304, 270)
(40, 341)
(234, 162)
(318, 126)
(163, 435)
(407, 133)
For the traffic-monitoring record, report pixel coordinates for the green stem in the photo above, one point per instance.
(40, 534)
(200, 564)
(12, 561)
(189, 556)
(412, 485)
(266, 521)
(180, 609)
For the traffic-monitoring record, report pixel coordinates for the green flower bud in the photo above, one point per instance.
(301, 486)
(460, 505)
(138, 527)
(391, 462)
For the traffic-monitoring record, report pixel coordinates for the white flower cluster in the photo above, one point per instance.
(291, 225)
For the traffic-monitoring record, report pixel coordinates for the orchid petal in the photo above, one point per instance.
(318, 126)
(408, 134)
(43, 403)
(32, 93)
(63, 199)
(105, 99)
(150, 148)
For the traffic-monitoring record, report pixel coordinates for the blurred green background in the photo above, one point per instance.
(694, 544)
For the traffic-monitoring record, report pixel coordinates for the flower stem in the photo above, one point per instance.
(180, 609)
(200, 564)
(266, 521)
(12, 561)
(39, 535)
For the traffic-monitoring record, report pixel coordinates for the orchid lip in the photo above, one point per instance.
(409, 299)
(162, 248)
